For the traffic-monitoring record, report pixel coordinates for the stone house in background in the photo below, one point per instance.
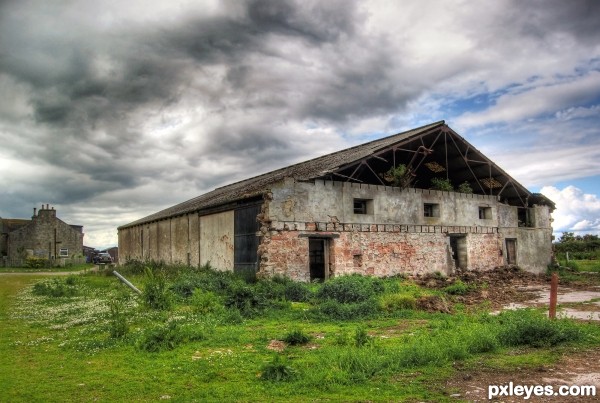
(44, 236)
(369, 209)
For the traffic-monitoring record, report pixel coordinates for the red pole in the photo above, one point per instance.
(553, 295)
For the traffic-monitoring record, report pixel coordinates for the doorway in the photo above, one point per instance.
(458, 245)
(318, 258)
(511, 251)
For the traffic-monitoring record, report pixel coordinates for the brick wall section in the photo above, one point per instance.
(379, 250)
(484, 251)
(283, 253)
(388, 253)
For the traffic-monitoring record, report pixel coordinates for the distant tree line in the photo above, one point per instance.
(579, 246)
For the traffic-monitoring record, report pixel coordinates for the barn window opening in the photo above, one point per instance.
(64, 252)
(524, 217)
(363, 206)
(431, 210)
(485, 213)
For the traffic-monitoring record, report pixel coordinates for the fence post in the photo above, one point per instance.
(553, 295)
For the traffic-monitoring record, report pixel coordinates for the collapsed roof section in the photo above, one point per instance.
(437, 153)
(431, 151)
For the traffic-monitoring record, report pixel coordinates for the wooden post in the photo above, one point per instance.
(553, 295)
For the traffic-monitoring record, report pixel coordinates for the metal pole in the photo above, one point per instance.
(126, 282)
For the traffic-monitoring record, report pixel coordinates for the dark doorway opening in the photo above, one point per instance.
(458, 245)
(511, 251)
(246, 241)
(318, 257)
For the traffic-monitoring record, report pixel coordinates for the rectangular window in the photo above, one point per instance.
(431, 210)
(363, 206)
(64, 252)
(485, 213)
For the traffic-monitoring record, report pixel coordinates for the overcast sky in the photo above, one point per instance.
(113, 110)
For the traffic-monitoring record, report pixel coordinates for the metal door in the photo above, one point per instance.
(245, 253)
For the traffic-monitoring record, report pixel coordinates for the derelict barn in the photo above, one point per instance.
(368, 209)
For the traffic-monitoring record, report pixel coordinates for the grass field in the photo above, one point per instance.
(204, 336)
(73, 268)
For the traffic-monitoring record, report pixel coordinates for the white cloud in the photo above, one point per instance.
(536, 101)
(576, 211)
(130, 107)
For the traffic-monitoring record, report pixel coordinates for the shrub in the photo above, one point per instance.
(118, 326)
(465, 187)
(33, 262)
(55, 288)
(268, 291)
(166, 337)
(395, 302)
(296, 291)
(341, 339)
(358, 365)
(296, 337)
(398, 176)
(457, 288)
(241, 296)
(277, 370)
(361, 337)
(206, 302)
(349, 289)
(156, 294)
(333, 310)
(531, 328)
(442, 184)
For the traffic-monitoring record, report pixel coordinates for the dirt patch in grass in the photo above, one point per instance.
(504, 285)
(579, 368)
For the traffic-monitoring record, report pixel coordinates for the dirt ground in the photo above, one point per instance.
(511, 288)
(581, 368)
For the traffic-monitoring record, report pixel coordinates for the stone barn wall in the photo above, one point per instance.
(394, 236)
(398, 232)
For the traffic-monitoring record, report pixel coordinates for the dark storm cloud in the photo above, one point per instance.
(578, 18)
(141, 103)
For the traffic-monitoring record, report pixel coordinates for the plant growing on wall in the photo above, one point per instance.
(465, 187)
(399, 176)
(441, 184)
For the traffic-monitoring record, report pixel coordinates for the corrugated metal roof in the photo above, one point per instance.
(306, 170)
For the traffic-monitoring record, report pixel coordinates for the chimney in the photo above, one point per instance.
(34, 211)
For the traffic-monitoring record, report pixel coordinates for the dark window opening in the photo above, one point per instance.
(363, 206)
(524, 217)
(431, 210)
(485, 213)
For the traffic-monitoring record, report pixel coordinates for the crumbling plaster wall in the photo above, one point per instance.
(394, 238)
(325, 201)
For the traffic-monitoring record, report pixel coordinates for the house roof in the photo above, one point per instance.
(10, 224)
(360, 163)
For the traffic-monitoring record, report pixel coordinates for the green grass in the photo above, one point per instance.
(76, 347)
(588, 265)
(70, 268)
